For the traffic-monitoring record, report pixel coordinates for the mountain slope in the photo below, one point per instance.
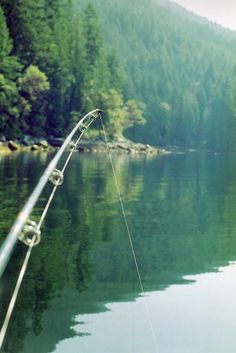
(180, 65)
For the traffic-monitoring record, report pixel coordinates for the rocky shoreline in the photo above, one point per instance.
(97, 145)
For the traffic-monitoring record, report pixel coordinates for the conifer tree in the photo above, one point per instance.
(9, 72)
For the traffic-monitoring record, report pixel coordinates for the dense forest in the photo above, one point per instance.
(54, 68)
(180, 65)
(162, 75)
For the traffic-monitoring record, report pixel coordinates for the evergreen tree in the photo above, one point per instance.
(9, 95)
(171, 56)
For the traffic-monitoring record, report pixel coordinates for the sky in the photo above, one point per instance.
(222, 12)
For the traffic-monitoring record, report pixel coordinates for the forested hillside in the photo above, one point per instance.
(138, 60)
(180, 65)
(54, 68)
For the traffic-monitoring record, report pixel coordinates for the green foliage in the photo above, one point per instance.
(55, 65)
(119, 115)
(33, 83)
(92, 36)
(65, 61)
(175, 57)
(5, 43)
(9, 94)
(21, 105)
(9, 111)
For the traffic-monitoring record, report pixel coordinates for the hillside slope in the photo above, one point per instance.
(180, 65)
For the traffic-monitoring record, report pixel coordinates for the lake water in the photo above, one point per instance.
(81, 291)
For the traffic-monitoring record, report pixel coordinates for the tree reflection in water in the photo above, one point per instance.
(180, 211)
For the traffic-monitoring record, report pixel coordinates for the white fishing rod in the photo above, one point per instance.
(29, 231)
(24, 229)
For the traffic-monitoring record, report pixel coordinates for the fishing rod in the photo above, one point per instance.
(29, 231)
(23, 228)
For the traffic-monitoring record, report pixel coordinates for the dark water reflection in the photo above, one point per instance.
(181, 212)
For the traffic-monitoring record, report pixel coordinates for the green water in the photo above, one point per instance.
(81, 292)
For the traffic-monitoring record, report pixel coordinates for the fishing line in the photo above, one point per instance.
(57, 179)
(129, 236)
(57, 184)
(15, 294)
(28, 253)
(27, 257)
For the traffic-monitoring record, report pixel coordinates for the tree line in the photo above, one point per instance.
(54, 68)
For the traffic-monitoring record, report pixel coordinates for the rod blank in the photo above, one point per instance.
(12, 237)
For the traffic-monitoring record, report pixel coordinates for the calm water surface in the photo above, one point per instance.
(81, 292)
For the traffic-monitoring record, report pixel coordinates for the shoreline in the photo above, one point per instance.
(86, 146)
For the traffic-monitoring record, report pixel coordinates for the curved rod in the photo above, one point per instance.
(12, 237)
